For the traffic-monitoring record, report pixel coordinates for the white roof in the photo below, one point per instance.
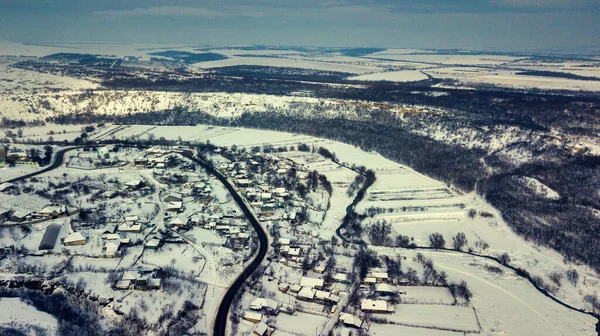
(176, 221)
(351, 319)
(284, 241)
(111, 247)
(311, 282)
(133, 218)
(341, 277)
(261, 303)
(74, 237)
(383, 287)
(133, 183)
(370, 280)
(369, 305)
(153, 243)
(307, 293)
(322, 295)
(260, 329)
(249, 315)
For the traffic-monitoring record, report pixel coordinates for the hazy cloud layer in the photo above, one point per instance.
(393, 23)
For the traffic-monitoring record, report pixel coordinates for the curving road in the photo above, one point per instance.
(58, 161)
(220, 323)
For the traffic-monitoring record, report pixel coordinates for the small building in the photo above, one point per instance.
(342, 278)
(123, 284)
(134, 184)
(384, 289)
(295, 288)
(174, 206)
(322, 295)
(370, 281)
(50, 236)
(267, 209)
(260, 329)
(379, 276)
(262, 303)
(152, 244)
(177, 222)
(351, 320)
(75, 238)
(19, 216)
(174, 197)
(111, 248)
(375, 306)
(311, 282)
(253, 316)
(243, 182)
(284, 241)
(307, 293)
(154, 283)
(320, 268)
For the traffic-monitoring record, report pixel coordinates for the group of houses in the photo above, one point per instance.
(139, 279)
(49, 212)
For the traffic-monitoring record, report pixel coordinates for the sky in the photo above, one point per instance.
(483, 24)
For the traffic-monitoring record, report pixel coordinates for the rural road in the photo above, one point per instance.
(220, 323)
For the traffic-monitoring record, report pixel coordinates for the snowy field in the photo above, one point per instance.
(392, 76)
(25, 318)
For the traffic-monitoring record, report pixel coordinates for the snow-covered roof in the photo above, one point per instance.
(177, 221)
(311, 282)
(322, 295)
(261, 303)
(307, 293)
(373, 305)
(341, 277)
(252, 316)
(74, 237)
(383, 287)
(350, 319)
(260, 329)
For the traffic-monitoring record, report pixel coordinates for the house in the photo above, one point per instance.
(281, 192)
(342, 278)
(320, 268)
(152, 244)
(384, 289)
(283, 287)
(52, 211)
(379, 276)
(174, 206)
(260, 329)
(294, 251)
(375, 306)
(311, 282)
(267, 209)
(262, 303)
(307, 293)
(322, 295)
(19, 216)
(134, 184)
(243, 182)
(253, 316)
(154, 283)
(111, 249)
(132, 219)
(123, 284)
(351, 320)
(370, 281)
(75, 238)
(177, 222)
(50, 236)
(295, 288)
(174, 197)
(284, 241)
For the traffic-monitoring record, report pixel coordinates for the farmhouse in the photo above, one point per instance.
(75, 238)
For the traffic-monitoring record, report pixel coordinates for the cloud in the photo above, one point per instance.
(172, 11)
(545, 4)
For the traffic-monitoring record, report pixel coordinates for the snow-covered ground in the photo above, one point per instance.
(392, 76)
(25, 318)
